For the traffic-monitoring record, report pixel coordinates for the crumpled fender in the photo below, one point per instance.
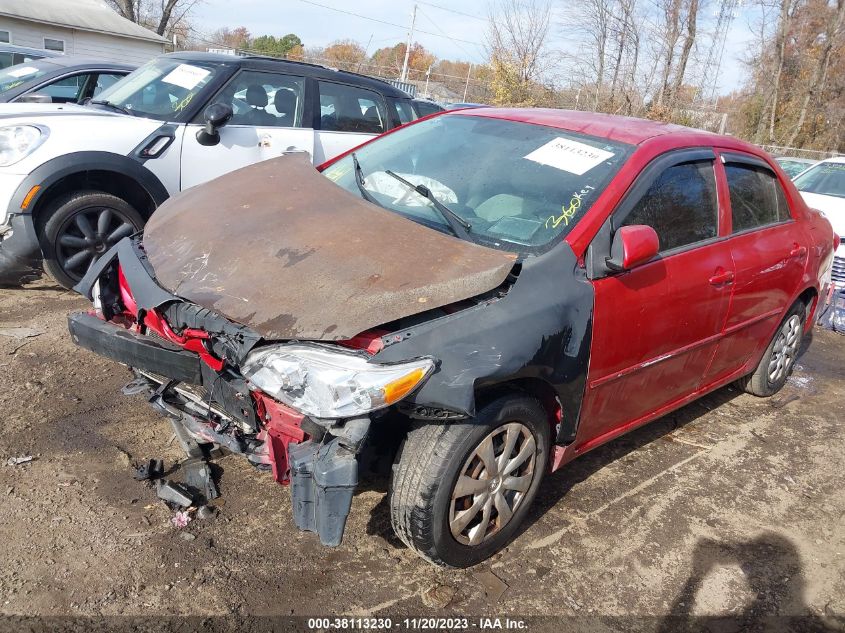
(540, 329)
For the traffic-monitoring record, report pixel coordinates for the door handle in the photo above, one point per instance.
(722, 278)
(798, 251)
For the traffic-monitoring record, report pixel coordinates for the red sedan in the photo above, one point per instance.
(503, 290)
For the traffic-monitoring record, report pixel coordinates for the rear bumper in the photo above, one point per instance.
(20, 252)
(133, 349)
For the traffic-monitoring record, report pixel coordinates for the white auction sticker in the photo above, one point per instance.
(20, 72)
(568, 155)
(186, 76)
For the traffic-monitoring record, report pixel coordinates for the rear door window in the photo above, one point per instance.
(757, 199)
(681, 206)
(351, 109)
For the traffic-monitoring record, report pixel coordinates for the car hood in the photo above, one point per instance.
(833, 208)
(281, 249)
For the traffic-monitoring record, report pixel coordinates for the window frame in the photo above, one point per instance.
(380, 100)
(54, 39)
(599, 249)
(727, 157)
(198, 119)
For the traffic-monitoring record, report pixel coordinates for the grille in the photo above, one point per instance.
(838, 273)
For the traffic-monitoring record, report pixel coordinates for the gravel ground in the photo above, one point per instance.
(732, 506)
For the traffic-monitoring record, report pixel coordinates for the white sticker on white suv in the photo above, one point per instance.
(186, 76)
(568, 155)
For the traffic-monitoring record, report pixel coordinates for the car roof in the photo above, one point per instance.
(14, 48)
(834, 159)
(610, 126)
(796, 159)
(260, 62)
(73, 62)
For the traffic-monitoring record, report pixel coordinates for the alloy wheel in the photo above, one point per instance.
(785, 349)
(86, 235)
(492, 483)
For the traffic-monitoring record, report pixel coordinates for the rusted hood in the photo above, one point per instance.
(279, 248)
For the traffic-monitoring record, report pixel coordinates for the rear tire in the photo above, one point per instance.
(444, 503)
(76, 229)
(779, 359)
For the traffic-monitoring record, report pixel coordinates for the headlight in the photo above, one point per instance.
(19, 141)
(325, 383)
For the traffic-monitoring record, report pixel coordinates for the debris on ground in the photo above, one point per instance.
(187, 536)
(198, 477)
(20, 333)
(438, 596)
(174, 494)
(206, 512)
(494, 587)
(180, 519)
(149, 470)
(16, 461)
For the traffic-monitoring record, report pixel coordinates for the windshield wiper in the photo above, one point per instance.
(459, 226)
(359, 180)
(111, 105)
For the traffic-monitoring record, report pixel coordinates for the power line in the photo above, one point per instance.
(445, 34)
(468, 15)
(366, 17)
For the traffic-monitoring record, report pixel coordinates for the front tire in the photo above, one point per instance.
(80, 227)
(459, 491)
(779, 359)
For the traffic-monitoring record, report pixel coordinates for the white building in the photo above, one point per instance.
(77, 27)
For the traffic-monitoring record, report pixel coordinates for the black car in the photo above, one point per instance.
(424, 107)
(59, 79)
(10, 55)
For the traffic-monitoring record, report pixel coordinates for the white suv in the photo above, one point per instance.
(823, 187)
(76, 179)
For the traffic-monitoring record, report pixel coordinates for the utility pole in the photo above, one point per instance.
(427, 76)
(404, 75)
(466, 86)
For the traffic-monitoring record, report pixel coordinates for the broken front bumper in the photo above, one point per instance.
(20, 252)
(216, 406)
(133, 349)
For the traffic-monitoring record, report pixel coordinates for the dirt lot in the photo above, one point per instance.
(731, 506)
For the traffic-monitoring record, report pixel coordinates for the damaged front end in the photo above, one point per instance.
(302, 410)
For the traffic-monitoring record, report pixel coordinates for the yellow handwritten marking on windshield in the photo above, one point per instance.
(14, 84)
(568, 213)
(181, 105)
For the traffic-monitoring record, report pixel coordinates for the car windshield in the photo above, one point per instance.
(827, 179)
(793, 167)
(160, 89)
(14, 76)
(518, 186)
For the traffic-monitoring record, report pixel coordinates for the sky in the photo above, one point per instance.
(451, 29)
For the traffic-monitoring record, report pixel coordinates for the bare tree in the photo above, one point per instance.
(833, 32)
(517, 42)
(161, 16)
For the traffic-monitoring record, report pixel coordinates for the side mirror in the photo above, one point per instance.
(216, 116)
(633, 246)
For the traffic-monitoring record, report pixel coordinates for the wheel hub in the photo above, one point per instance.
(492, 483)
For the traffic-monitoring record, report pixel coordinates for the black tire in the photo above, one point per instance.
(761, 382)
(426, 472)
(68, 249)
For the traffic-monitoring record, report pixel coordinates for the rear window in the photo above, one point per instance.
(757, 198)
(351, 109)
